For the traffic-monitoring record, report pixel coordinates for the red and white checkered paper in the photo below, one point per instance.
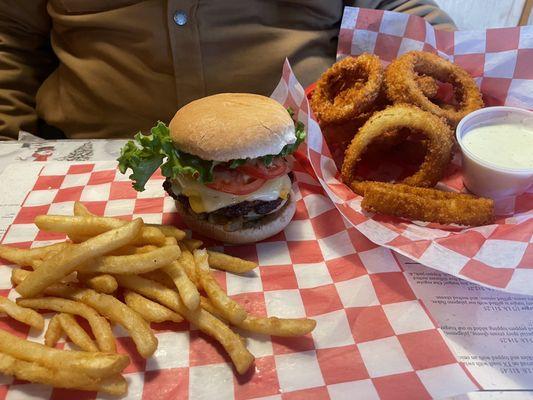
(374, 338)
(501, 61)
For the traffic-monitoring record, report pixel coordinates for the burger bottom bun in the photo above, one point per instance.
(265, 228)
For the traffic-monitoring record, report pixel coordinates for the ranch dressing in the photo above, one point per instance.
(507, 145)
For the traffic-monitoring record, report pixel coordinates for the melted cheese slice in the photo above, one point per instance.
(204, 199)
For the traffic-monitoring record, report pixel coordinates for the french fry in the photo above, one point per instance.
(95, 365)
(72, 277)
(81, 211)
(150, 310)
(130, 249)
(284, 327)
(75, 332)
(187, 290)
(192, 244)
(116, 311)
(169, 230)
(99, 325)
(59, 376)
(230, 309)
(160, 277)
(187, 261)
(103, 283)
(115, 385)
(26, 257)
(150, 235)
(229, 263)
(241, 357)
(25, 315)
(77, 225)
(134, 263)
(206, 304)
(144, 249)
(53, 332)
(170, 241)
(18, 275)
(62, 264)
(145, 238)
(124, 251)
(78, 238)
(81, 228)
(109, 307)
(35, 264)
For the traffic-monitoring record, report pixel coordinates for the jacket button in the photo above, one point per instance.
(180, 18)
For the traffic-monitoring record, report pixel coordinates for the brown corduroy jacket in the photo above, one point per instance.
(108, 68)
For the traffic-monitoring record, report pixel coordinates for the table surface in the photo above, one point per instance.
(32, 149)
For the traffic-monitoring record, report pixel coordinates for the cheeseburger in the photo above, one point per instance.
(226, 162)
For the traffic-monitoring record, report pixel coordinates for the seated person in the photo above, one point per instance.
(108, 68)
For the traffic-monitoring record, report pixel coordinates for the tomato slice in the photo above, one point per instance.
(234, 182)
(258, 169)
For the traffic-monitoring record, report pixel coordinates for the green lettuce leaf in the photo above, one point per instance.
(146, 153)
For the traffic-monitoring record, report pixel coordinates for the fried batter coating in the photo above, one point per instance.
(402, 86)
(429, 205)
(348, 89)
(339, 136)
(428, 86)
(439, 142)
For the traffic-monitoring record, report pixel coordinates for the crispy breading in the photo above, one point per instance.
(402, 86)
(429, 205)
(348, 89)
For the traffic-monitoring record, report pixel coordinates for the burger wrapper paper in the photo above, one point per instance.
(499, 255)
(374, 337)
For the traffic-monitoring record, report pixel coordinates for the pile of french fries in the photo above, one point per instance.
(112, 271)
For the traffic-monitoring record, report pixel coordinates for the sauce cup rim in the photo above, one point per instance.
(487, 110)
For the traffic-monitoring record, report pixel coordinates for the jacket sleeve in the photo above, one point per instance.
(427, 9)
(26, 59)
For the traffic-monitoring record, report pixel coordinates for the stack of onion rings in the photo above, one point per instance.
(352, 104)
(402, 87)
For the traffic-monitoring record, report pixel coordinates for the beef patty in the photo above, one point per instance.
(241, 209)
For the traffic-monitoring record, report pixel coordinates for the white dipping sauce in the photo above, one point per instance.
(503, 145)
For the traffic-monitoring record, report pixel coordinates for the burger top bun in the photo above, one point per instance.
(230, 126)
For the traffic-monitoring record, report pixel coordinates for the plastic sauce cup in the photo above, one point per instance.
(483, 178)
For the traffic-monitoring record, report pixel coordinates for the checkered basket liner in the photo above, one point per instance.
(498, 255)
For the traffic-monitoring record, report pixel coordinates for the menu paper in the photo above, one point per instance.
(490, 331)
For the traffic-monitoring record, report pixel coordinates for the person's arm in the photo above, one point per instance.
(428, 9)
(26, 59)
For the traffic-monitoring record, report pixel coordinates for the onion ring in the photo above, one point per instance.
(401, 85)
(428, 86)
(429, 205)
(348, 89)
(439, 142)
